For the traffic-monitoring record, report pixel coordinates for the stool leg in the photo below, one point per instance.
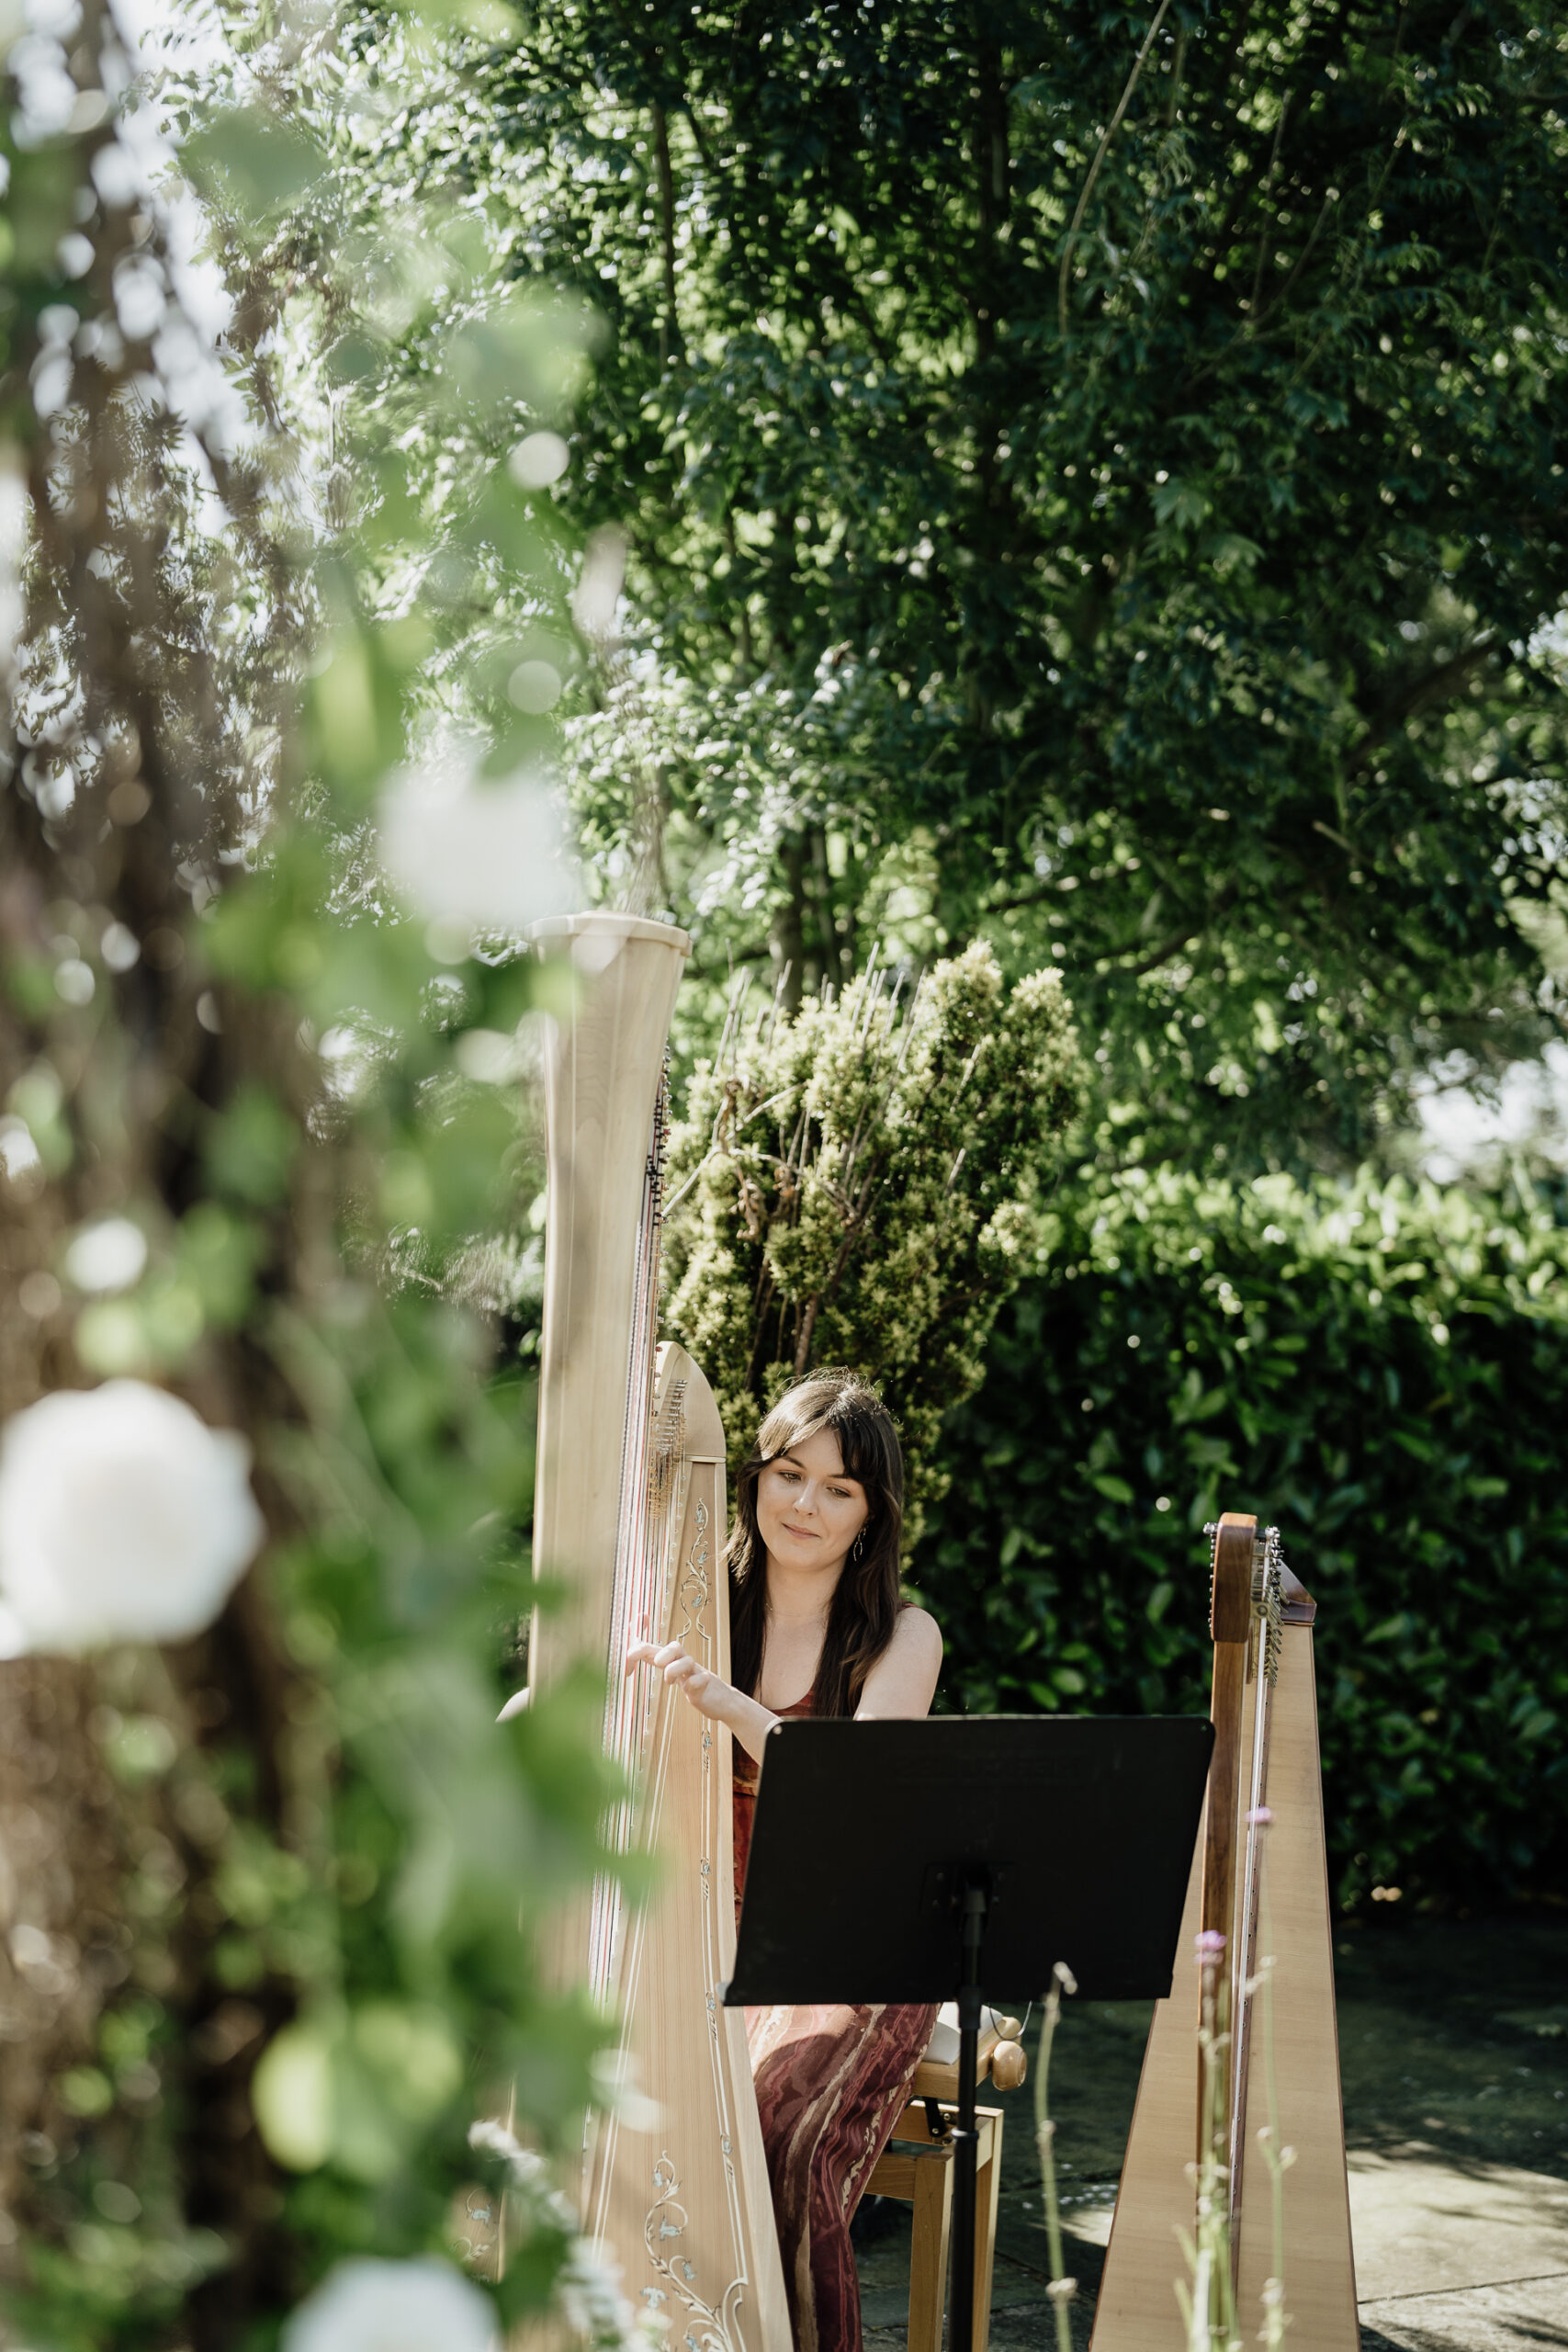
(988, 2191)
(927, 2251)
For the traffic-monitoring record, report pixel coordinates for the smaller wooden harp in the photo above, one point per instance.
(1262, 1885)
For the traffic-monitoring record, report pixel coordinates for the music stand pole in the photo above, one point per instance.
(965, 2138)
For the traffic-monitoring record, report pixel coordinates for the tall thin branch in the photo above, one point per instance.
(670, 346)
(1100, 153)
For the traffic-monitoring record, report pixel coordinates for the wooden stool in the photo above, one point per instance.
(917, 2167)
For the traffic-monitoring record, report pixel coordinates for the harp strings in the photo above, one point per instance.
(1266, 1634)
(639, 1552)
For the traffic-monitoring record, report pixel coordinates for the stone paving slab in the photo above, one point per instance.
(1423, 2224)
(1521, 2317)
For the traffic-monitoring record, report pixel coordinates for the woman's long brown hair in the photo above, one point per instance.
(865, 1603)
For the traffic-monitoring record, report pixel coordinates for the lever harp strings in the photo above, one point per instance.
(1266, 1633)
(639, 1554)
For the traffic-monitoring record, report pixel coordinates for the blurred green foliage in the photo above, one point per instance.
(1382, 1372)
(309, 1960)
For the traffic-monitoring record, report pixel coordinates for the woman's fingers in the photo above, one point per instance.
(651, 1654)
(670, 1658)
(678, 1667)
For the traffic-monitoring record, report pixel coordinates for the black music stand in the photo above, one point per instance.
(963, 1858)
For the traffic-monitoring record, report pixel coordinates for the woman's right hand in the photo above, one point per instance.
(707, 1692)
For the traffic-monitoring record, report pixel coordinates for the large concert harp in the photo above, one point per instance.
(1265, 1889)
(629, 1520)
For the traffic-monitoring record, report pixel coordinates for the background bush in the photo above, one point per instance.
(1382, 1372)
(866, 1191)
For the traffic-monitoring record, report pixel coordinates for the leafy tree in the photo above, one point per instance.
(1094, 478)
(867, 1190)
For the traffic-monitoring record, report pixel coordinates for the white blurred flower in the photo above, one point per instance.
(474, 855)
(123, 1518)
(20, 1155)
(108, 1255)
(120, 948)
(542, 458)
(370, 2305)
(115, 174)
(140, 296)
(597, 596)
(533, 686)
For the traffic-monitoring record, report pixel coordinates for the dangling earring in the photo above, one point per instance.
(857, 1549)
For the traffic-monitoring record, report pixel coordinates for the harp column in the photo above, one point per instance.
(604, 1064)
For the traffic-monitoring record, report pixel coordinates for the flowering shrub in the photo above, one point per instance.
(865, 1188)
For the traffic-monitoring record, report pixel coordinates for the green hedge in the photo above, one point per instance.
(1383, 1372)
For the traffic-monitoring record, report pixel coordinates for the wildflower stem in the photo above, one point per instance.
(1213, 2323)
(1060, 2288)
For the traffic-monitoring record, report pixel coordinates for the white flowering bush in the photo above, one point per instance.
(123, 1518)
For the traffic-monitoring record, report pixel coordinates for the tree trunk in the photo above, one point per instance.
(789, 924)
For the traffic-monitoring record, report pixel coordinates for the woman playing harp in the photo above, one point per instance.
(817, 1628)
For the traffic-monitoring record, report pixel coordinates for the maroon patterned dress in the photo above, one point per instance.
(832, 2080)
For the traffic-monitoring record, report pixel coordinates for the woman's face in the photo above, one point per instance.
(809, 1512)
